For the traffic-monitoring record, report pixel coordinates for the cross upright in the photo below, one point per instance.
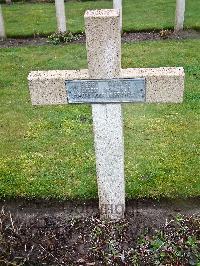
(105, 85)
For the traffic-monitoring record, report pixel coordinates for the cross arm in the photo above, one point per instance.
(163, 85)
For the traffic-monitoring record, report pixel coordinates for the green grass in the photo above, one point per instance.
(31, 19)
(157, 14)
(48, 151)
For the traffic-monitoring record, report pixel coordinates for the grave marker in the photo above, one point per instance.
(180, 11)
(117, 4)
(60, 15)
(2, 28)
(103, 41)
(105, 80)
(9, 2)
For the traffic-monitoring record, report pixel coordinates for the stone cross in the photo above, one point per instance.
(179, 19)
(2, 28)
(103, 41)
(60, 15)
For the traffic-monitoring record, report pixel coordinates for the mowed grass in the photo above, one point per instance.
(25, 19)
(47, 152)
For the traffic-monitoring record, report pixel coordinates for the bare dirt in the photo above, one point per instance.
(39, 232)
(149, 210)
(126, 37)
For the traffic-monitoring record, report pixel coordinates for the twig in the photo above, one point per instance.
(28, 255)
(48, 252)
(2, 210)
(1, 223)
(12, 223)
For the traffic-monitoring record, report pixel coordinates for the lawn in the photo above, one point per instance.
(32, 19)
(48, 151)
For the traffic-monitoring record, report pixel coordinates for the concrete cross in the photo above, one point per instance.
(104, 63)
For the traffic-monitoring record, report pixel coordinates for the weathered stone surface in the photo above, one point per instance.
(117, 4)
(165, 84)
(103, 43)
(109, 149)
(2, 28)
(60, 15)
(180, 14)
(48, 87)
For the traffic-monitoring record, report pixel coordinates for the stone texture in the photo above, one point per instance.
(117, 4)
(180, 13)
(103, 41)
(2, 28)
(60, 15)
(48, 87)
(163, 85)
(109, 150)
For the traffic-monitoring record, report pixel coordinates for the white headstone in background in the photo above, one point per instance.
(117, 4)
(9, 2)
(2, 28)
(180, 11)
(60, 15)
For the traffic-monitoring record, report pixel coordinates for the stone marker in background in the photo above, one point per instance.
(2, 28)
(159, 85)
(60, 15)
(117, 4)
(180, 11)
(8, 2)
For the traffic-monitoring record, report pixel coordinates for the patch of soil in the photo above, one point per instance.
(11, 42)
(164, 34)
(71, 233)
(126, 37)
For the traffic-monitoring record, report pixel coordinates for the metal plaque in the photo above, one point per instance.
(106, 91)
